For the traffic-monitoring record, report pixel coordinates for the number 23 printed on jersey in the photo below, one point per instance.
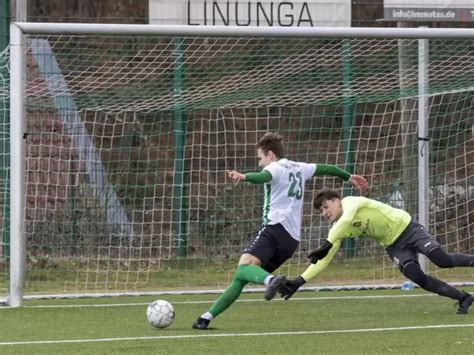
(296, 187)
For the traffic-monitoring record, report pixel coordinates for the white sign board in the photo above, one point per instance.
(294, 13)
(429, 10)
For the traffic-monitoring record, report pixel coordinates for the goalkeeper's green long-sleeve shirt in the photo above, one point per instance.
(362, 217)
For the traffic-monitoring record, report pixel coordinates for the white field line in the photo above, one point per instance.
(225, 335)
(244, 300)
(4, 300)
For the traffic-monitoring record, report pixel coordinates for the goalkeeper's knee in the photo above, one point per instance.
(412, 270)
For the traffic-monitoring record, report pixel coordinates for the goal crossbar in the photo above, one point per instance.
(250, 31)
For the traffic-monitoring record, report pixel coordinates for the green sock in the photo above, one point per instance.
(229, 296)
(243, 275)
(251, 273)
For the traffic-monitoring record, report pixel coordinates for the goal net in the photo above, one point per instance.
(128, 139)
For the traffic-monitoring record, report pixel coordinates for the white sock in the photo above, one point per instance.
(207, 316)
(268, 279)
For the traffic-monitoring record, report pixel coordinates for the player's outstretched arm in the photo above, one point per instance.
(235, 176)
(255, 178)
(358, 182)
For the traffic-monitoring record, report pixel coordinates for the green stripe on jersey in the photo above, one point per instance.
(266, 202)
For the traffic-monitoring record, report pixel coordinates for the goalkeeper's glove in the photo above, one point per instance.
(320, 253)
(289, 287)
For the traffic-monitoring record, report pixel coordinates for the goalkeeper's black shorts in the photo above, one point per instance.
(414, 239)
(273, 245)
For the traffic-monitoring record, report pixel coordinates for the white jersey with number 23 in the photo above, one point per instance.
(283, 201)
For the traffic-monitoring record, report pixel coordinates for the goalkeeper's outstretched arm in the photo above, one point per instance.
(319, 258)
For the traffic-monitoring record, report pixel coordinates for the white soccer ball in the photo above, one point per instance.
(160, 314)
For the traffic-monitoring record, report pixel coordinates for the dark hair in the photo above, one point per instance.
(272, 141)
(324, 196)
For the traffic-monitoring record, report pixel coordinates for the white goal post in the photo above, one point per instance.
(382, 107)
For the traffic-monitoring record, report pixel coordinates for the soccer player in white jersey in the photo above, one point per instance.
(400, 235)
(279, 236)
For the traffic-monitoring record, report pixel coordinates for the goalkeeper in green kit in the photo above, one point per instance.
(400, 235)
(284, 182)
